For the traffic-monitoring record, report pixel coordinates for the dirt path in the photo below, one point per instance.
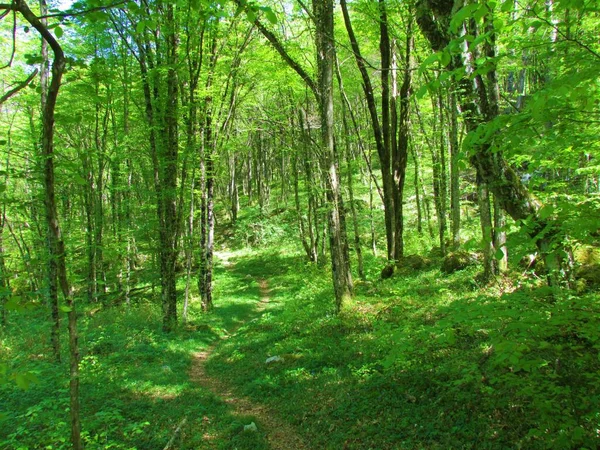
(279, 434)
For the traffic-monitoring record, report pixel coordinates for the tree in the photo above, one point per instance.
(56, 246)
(323, 91)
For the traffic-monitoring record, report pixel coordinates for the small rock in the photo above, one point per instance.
(251, 427)
(274, 359)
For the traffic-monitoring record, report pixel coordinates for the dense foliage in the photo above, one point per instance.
(417, 183)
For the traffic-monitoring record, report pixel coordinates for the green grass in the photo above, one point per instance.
(135, 387)
(418, 361)
(422, 361)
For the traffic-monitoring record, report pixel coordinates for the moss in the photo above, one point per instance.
(456, 261)
(412, 263)
(590, 274)
(587, 254)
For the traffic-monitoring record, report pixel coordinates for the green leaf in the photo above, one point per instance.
(26, 379)
(140, 27)
(507, 6)
(13, 303)
(445, 58)
(251, 16)
(79, 180)
(546, 211)
(58, 32)
(499, 254)
(271, 17)
(462, 15)
(65, 308)
(422, 91)
(429, 60)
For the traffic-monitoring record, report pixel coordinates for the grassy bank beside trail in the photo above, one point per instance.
(135, 385)
(420, 361)
(423, 360)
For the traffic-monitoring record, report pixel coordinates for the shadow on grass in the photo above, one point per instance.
(135, 387)
(421, 361)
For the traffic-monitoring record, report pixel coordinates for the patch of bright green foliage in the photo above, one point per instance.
(420, 360)
(135, 384)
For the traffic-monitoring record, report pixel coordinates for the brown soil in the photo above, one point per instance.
(280, 435)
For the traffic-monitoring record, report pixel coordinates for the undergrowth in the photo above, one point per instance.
(422, 360)
(135, 386)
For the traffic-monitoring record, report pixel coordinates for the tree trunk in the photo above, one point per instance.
(500, 238)
(52, 279)
(487, 242)
(381, 132)
(168, 256)
(400, 155)
(55, 243)
(454, 172)
(207, 206)
(477, 106)
(342, 278)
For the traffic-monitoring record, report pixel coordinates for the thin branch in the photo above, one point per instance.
(82, 12)
(563, 34)
(19, 86)
(308, 11)
(14, 39)
(285, 55)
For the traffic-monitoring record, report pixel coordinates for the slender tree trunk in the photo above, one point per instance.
(233, 188)
(342, 278)
(381, 132)
(500, 238)
(4, 279)
(168, 254)
(208, 172)
(454, 172)
(357, 243)
(52, 277)
(55, 242)
(487, 242)
(312, 217)
(400, 156)
(189, 247)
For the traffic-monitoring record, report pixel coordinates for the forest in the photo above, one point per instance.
(296, 224)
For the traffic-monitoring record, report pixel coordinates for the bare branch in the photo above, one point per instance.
(277, 45)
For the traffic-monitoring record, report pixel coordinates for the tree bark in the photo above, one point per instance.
(342, 278)
(513, 197)
(55, 242)
(454, 172)
(383, 150)
(400, 154)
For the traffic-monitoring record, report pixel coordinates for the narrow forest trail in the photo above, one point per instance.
(280, 435)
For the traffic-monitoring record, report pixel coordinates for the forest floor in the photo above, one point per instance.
(423, 360)
(279, 434)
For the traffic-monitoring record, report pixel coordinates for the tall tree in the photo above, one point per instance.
(56, 245)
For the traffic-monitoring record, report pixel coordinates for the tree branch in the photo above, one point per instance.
(285, 55)
(19, 86)
(83, 12)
